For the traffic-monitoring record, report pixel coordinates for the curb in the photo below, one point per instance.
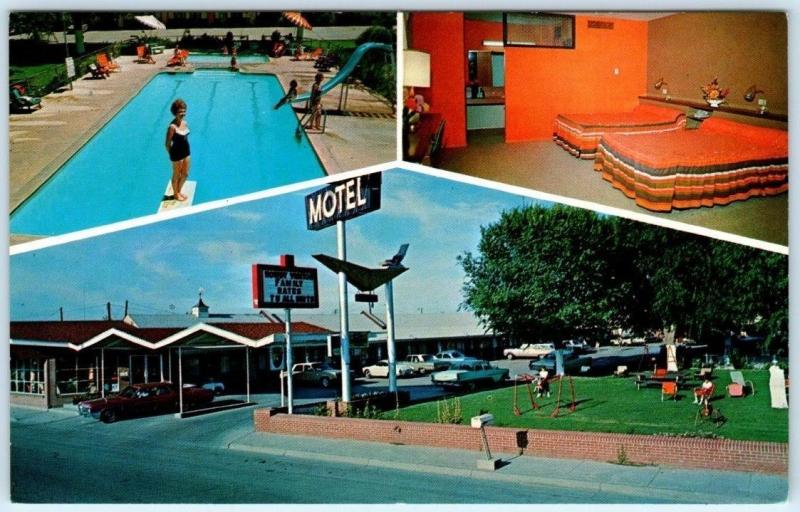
(677, 496)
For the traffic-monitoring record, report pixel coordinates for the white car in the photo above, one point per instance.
(529, 350)
(381, 369)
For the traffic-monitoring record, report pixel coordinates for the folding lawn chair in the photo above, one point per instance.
(737, 386)
(669, 389)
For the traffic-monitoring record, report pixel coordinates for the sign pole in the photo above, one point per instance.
(288, 313)
(344, 321)
(390, 338)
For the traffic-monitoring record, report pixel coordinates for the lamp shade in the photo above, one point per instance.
(416, 68)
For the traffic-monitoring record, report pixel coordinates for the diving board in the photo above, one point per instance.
(170, 204)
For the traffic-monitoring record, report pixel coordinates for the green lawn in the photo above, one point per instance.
(612, 404)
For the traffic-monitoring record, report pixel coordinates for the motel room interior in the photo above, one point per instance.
(491, 87)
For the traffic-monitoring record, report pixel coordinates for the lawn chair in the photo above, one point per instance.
(659, 373)
(19, 101)
(669, 389)
(103, 61)
(737, 386)
(98, 72)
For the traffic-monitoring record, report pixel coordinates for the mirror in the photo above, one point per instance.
(486, 73)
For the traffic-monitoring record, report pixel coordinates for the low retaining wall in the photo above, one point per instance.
(725, 454)
(28, 400)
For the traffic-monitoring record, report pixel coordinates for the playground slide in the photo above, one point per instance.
(347, 69)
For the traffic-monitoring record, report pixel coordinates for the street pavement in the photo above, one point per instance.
(59, 457)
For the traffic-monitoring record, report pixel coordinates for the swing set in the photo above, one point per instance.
(529, 379)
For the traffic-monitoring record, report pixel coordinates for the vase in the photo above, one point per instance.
(715, 102)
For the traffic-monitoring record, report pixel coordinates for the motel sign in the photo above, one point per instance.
(343, 200)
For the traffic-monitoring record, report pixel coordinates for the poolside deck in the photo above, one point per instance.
(42, 141)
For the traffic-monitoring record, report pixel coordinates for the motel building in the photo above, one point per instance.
(54, 362)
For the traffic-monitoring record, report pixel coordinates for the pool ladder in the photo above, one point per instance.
(306, 117)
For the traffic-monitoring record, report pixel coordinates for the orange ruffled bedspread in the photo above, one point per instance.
(580, 133)
(720, 162)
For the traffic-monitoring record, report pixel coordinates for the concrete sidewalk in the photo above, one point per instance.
(649, 483)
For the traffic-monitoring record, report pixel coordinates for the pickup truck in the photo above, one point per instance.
(424, 363)
(470, 374)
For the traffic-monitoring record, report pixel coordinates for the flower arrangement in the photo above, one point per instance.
(713, 93)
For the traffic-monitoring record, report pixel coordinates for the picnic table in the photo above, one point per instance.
(648, 379)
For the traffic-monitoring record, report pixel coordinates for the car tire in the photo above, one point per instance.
(108, 416)
(367, 374)
(510, 357)
(471, 386)
(325, 382)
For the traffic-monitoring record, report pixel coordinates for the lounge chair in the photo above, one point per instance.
(104, 61)
(737, 386)
(669, 389)
(98, 72)
(19, 101)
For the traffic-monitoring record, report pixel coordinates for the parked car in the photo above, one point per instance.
(141, 399)
(381, 369)
(424, 363)
(215, 386)
(579, 344)
(316, 374)
(574, 362)
(529, 350)
(447, 357)
(470, 374)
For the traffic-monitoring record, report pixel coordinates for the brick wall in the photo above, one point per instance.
(667, 451)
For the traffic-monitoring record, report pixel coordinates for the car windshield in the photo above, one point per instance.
(427, 357)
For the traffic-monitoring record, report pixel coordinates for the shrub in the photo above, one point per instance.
(449, 412)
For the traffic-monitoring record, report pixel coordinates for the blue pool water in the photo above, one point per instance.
(219, 58)
(239, 145)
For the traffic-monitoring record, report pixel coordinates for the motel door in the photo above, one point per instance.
(147, 368)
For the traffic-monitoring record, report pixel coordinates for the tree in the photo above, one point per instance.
(561, 271)
(543, 272)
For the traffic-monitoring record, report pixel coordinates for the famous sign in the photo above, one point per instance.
(343, 200)
(276, 286)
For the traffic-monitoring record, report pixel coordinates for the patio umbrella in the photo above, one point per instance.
(151, 22)
(297, 19)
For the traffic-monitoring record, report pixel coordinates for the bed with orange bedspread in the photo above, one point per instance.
(580, 133)
(720, 162)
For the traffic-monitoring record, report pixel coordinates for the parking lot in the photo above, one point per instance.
(420, 387)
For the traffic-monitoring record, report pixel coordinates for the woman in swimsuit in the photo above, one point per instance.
(178, 148)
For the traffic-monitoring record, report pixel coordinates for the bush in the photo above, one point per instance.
(449, 412)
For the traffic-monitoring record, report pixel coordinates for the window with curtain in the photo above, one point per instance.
(538, 30)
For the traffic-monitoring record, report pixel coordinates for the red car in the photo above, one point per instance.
(143, 399)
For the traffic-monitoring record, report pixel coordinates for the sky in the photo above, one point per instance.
(159, 268)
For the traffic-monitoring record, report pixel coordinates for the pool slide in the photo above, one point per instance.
(347, 69)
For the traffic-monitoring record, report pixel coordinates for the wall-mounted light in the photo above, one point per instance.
(660, 83)
(492, 42)
(751, 93)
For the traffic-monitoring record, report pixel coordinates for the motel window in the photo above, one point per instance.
(77, 375)
(538, 30)
(27, 376)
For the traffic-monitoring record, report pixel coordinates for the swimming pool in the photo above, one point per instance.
(219, 58)
(239, 145)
